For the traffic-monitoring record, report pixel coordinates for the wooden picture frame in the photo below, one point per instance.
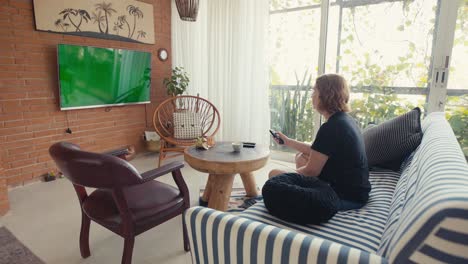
(127, 20)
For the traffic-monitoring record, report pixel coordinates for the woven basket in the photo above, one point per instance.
(153, 146)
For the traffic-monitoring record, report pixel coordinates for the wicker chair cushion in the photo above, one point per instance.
(187, 125)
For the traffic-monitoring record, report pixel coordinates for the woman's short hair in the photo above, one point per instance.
(333, 93)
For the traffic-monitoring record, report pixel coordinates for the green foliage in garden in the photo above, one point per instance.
(457, 115)
(292, 111)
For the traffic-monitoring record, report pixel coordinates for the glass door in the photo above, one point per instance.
(456, 105)
(294, 45)
(384, 50)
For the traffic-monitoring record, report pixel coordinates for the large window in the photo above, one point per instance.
(386, 61)
(385, 49)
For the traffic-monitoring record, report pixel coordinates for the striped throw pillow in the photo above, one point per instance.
(187, 125)
(388, 144)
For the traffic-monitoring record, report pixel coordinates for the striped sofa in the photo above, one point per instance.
(418, 215)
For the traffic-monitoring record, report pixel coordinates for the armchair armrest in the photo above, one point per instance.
(120, 152)
(153, 174)
(218, 237)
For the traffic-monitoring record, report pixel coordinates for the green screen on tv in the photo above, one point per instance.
(96, 77)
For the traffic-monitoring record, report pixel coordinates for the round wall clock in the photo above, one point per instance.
(162, 54)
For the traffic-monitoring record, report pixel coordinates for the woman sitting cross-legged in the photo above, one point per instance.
(337, 156)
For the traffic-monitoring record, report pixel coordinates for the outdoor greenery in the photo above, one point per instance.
(292, 112)
(365, 67)
(376, 108)
(457, 115)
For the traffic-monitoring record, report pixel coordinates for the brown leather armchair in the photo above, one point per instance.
(124, 201)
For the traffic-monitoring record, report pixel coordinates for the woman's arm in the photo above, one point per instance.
(316, 159)
(314, 165)
(294, 144)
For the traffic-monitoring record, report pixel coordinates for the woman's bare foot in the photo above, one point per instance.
(275, 172)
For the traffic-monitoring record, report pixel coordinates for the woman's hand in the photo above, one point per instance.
(285, 139)
(315, 163)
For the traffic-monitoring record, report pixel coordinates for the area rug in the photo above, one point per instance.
(238, 202)
(12, 251)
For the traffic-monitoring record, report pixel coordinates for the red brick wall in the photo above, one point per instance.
(4, 205)
(30, 117)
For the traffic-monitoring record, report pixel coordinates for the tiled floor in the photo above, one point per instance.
(46, 218)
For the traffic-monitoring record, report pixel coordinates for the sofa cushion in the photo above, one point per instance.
(218, 237)
(428, 219)
(387, 144)
(360, 228)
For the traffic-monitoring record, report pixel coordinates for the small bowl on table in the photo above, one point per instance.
(236, 146)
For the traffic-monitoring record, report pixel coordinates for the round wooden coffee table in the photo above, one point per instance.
(222, 164)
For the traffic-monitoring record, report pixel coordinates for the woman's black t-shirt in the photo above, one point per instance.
(346, 169)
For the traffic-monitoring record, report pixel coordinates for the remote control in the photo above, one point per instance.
(275, 135)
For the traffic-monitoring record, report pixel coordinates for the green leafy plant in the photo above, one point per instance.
(178, 83)
(457, 115)
(292, 112)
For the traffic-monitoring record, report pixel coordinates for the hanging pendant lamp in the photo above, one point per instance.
(188, 9)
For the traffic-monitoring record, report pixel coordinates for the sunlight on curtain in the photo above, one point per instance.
(224, 54)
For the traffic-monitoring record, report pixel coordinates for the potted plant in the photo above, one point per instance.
(177, 84)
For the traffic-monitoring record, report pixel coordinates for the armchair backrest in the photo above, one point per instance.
(94, 170)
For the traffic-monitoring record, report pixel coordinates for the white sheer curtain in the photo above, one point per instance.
(224, 54)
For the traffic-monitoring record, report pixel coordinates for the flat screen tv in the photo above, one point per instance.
(100, 77)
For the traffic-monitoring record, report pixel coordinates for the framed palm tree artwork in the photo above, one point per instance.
(124, 20)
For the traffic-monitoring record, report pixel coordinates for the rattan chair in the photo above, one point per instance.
(163, 121)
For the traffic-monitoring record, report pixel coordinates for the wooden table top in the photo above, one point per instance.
(221, 158)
